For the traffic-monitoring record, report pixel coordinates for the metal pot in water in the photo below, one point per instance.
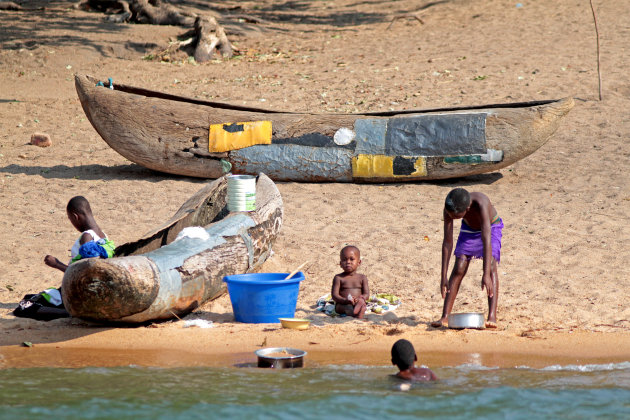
(280, 357)
(466, 320)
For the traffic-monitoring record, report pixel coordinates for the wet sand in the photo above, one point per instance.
(235, 346)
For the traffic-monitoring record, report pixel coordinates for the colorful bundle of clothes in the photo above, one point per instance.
(103, 248)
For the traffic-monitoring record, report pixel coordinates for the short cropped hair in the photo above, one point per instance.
(457, 200)
(350, 247)
(403, 354)
(78, 204)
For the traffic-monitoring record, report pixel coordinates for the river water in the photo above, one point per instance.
(328, 392)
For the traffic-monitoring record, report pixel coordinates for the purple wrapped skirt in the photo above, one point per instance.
(470, 245)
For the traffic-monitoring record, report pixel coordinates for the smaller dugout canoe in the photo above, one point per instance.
(158, 277)
(192, 137)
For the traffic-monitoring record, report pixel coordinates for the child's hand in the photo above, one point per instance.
(444, 287)
(356, 299)
(486, 281)
(50, 261)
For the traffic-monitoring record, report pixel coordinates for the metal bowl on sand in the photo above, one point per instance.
(280, 357)
(466, 320)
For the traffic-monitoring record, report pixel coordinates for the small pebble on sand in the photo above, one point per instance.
(41, 140)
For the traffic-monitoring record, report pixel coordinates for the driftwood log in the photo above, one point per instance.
(159, 277)
(209, 36)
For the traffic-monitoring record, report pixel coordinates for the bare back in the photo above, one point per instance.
(417, 374)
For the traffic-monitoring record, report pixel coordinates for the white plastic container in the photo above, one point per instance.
(241, 191)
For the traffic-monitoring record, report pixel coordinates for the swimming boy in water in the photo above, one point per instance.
(81, 217)
(350, 290)
(479, 237)
(404, 356)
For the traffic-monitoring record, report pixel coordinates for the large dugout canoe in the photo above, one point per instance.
(158, 277)
(192, 137)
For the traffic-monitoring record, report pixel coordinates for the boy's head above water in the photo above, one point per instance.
(457, 203)
(350, 258)
(403, 354)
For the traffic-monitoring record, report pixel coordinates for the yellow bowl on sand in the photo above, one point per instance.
(295, 323)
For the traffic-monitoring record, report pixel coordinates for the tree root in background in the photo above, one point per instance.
(9, 5)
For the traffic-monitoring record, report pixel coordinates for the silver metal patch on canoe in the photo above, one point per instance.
(436, 135)
(295, 162)
(370, 136)
(174, 255)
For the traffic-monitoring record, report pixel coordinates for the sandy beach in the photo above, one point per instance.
(563, 279)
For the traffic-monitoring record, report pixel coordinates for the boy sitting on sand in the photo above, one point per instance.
(93, 242)
(404, 356)
(81, 217)
(479, 237)
(350, 290)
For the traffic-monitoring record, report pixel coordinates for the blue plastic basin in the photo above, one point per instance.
(263, 297)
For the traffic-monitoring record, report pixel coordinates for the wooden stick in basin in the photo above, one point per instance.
(294, 272)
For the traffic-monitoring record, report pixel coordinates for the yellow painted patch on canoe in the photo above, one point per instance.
(233, 136)
(370, 166)
(381, 166)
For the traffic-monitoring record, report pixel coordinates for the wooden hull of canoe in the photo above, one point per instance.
(204, 139)
(158, 277)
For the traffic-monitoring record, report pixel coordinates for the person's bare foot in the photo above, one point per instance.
(439, 323)
(360, 308)
(491, 324)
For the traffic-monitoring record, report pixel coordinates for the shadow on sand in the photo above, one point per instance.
(95, 172)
